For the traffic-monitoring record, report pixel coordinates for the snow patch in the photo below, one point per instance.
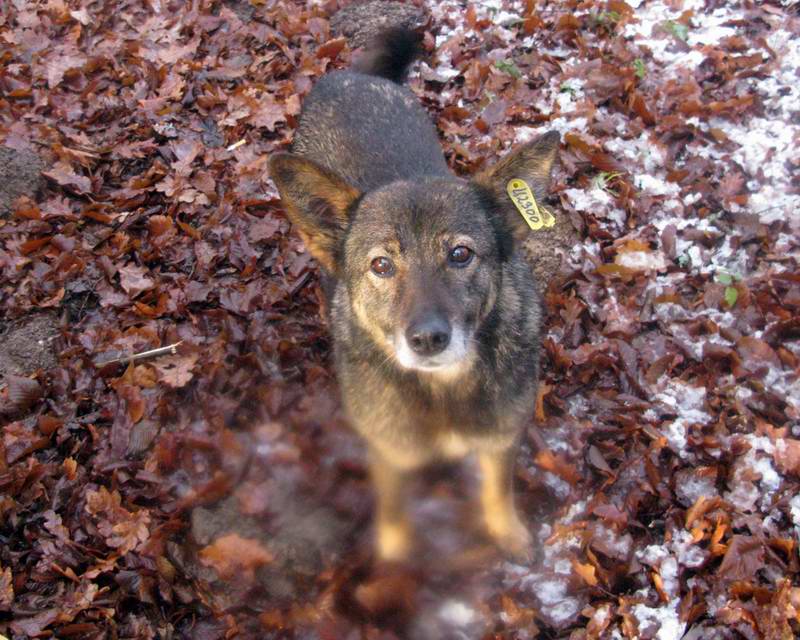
(642, 260)
(666, 618)
(567, 125)
(597, 202)
(639, 150)
(457, 613)
(687, 402)
(694, 487)
(656, 186)
(794, 510)
(557, 486)
(754, 466)
(687, 552)
(553, 594)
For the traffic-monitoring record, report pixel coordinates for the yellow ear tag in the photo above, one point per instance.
(521, 195)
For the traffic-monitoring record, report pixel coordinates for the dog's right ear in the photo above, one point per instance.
(530, 164)
(317, 202)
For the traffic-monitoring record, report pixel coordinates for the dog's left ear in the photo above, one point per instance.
(533, 163)
(317, 202)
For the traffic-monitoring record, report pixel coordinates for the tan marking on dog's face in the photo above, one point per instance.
(416, 227)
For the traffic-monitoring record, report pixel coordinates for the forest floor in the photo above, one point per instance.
(216, 492)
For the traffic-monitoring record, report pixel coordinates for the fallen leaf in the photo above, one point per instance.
(64, 175)
(135, 279)
(232, 554)
(176, 371)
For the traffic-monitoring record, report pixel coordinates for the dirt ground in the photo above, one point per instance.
(28, 344)
(548, 249)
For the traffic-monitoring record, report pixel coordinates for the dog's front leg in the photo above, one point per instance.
(497, 499)
(392, 527)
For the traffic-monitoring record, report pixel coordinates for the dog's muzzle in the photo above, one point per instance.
(431, 343)
(428, 335)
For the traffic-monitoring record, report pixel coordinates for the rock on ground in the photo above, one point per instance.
(20, 174)
(361, 22)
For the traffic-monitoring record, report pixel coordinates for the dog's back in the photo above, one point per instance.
(367, 127)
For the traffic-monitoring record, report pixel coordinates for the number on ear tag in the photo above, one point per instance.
(521, 195)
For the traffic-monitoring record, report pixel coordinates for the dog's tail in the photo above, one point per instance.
(390, 54)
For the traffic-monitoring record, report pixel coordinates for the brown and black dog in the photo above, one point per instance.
(435, 314)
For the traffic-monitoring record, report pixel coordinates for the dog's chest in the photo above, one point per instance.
(452, 445)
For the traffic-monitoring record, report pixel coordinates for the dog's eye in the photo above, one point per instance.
(460, 256)
(382, 266)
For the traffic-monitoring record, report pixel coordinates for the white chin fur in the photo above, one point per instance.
(449, 361)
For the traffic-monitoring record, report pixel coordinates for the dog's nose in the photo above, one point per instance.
(428, 335)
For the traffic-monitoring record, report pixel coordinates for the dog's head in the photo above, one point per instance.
(422, 261)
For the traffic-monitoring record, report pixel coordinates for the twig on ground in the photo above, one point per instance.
(170, 349)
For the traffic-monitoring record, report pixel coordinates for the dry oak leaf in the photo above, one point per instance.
(33, 626)
(6, 589)
(135, 404)
(231, 554)
(176, 52)
(64, 175)
(59, 64)
(127, 534)
(745, 556)
(586, 572)
(103, 500)
(269, 114)
(558, 465)
(22, 393)
(390, 589)
(122, 529)
(134, 279)
(176, 371)
(81, 16)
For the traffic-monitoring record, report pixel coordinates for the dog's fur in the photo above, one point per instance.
(366, 179)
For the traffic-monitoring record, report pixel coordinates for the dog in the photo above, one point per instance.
(434, 313)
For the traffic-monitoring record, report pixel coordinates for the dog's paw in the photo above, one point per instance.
(394, 542)
(514, 539)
